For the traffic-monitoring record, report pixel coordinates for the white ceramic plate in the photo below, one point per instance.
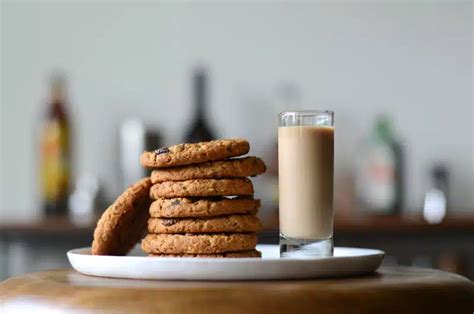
(345, 262)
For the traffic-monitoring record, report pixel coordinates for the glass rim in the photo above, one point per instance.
(307, 113)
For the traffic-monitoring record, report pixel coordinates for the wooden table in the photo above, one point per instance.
(390, 290)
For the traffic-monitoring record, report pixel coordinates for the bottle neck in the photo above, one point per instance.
(57, 88)
(383, 131)
(200, 95)
(57, 109)
(57, 97)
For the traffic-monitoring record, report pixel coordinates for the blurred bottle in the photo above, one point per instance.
(135, 137)
(379, 170)
(199, 129)
(132, 144)
(436, 198)
(55, 159)
(85, 199)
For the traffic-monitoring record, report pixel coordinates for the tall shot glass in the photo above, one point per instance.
(306, 175)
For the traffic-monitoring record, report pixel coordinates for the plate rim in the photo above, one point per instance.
(373, 252)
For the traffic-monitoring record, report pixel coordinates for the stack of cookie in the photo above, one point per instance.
(203, 201)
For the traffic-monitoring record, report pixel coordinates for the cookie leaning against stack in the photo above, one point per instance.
(204, 204)
(123, 223)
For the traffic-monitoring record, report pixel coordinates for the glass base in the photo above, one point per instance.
(298, 248)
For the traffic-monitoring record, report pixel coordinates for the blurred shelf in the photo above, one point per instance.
(452, 222)
(393, 224)
(356, 223)
(46, 226)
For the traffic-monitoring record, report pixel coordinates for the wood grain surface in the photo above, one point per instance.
(390, 290)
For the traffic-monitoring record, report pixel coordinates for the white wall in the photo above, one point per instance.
(413, 60)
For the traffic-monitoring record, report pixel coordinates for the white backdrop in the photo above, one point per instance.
(413, 60)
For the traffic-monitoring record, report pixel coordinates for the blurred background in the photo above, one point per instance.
(86, 86)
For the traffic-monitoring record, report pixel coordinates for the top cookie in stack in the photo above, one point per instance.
(204, 204)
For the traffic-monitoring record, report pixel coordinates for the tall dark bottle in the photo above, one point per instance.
(199, 129)
(55, 161)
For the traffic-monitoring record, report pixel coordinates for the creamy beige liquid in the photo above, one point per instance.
(306, 162)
